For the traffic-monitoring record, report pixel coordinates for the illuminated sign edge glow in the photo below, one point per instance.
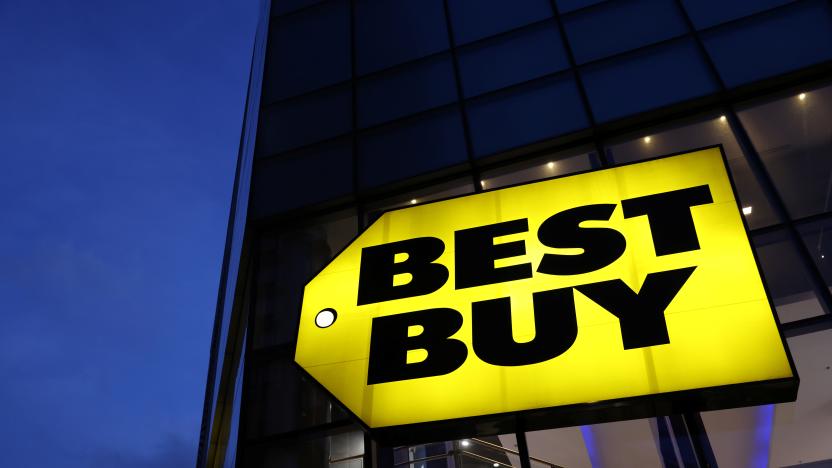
(691, 400)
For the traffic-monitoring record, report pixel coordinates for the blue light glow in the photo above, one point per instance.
(762, 436)
(591, 446)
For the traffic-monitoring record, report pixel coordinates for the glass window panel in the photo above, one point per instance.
(281, 7)
(474, 452)
(440, 455)
(475, 19)
(525, 114)
(282, 399)
(510, 59)
(787, 434)
(306, 452)
(600, 32)
(538, 168)
(304, 120)
(597, 445)
(710, 131)
(345, 445)
(647, 79)
(483, 452)
(793, 137)
(706, 13)
(786, 40)
(234, 247)
(307, 50)
(787, 280)
(231, 436)
(801, 429)
(406, 90)
(405, 149)
(818, 239)
(565, 6)
(303, 178)
(734, 438)
(388, 33)
(435, 192)
(288, 259)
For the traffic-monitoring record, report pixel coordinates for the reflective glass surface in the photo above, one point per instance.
(600, 32)
(511, 58)
(565, 6)
(497, 120)
(436, 192)
(388, 33)
(304, 120)
(324, 58)
(786, 277)
(282, 399)
(539, 168)
(794, 140)
(409, 128)
(232, 257)
(472, 452)
(344, 447)
(410, 148)
(707, 131)
(787, 434)
(274, 192)
(640, 81)
(705, 13)
(281, 7)
(816, 237)
(313, 451)
(656, 64)
(406, 90)
(476, 19)
(228, 438)
(597, 445)
(288, 259)
(483, 452)
(435, 455)
(770, 44)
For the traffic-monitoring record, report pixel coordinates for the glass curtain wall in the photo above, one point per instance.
(791, 246)
(394, 103)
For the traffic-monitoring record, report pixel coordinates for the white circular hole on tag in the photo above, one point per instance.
(325, 318)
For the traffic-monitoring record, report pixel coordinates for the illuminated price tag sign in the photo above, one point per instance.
(613, 294)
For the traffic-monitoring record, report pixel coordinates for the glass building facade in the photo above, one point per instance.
(357, 106)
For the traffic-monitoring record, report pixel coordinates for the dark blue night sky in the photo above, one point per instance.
(119, 126)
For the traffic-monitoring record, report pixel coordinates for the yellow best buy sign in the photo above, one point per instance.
(633, 288)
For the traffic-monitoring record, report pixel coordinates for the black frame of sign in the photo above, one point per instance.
(619, 409)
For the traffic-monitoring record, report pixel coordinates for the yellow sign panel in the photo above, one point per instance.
(605, 286)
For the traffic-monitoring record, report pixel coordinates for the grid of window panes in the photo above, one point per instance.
(370, 104)
(368, 93)
(783, 174)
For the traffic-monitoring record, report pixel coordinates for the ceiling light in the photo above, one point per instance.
(722, 118)
(413, 201)
(550, 165)
(802, 96)
(482, 183)
(465, 443)
(746, 210)
(647, 139)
